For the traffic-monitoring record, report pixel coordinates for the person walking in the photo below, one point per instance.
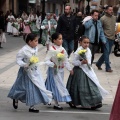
(83, 85)
(79, 29)
(108, 23)
(94, 31)
(57, 60)
(48, 27)
(66, 26)
(29, 86)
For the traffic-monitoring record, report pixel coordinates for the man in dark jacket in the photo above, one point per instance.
(2, 21)
(66, 26)
(79, 29)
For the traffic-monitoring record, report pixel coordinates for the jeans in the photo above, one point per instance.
(68, 45)
(94, 49)
(106, 52)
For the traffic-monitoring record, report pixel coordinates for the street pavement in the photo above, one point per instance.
(8, 73)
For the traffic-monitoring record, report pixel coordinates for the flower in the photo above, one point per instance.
(82, 54)
(60, 56)
(15, 25)
(82, 51)
(34, 59)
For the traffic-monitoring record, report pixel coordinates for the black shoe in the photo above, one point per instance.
(109, 70)
(15, 103)
(96, 107)
(58, 107)
(71, 105)
(33, 110)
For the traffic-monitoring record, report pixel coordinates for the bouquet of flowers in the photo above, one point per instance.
(60, 58)
(34, 60)
(15, 25)
(83, 56)
(28, 22)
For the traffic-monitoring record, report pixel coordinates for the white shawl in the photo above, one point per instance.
(89, 72)
(33, 71)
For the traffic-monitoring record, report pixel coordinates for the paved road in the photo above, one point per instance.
(8, 72)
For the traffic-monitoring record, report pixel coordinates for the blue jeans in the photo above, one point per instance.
(106, 52)
(68, 45)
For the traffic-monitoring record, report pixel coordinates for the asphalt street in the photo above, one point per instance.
(46, 112)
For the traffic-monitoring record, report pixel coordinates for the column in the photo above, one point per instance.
(7, 5)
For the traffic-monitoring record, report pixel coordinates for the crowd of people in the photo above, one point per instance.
(62, 35)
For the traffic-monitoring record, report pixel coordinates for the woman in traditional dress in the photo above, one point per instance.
(48, 27)
(10, 19)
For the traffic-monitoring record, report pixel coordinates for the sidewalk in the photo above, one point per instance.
(9, 69)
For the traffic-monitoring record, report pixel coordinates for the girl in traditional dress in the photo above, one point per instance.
(26, 30)
(83, 85)
(2, 38)
(29, 86)
(57, 59)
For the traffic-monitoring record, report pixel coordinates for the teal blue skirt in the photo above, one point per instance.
(24, 90)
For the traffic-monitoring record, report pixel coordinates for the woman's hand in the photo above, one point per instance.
(55, 66)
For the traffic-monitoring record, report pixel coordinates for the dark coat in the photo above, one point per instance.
(66, 26)
(2, 22)
(79, 27)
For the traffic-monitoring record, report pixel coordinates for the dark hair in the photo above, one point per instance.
(93, 11)
(30, 37)
(107, 7)
(82, 38)
(55, 36)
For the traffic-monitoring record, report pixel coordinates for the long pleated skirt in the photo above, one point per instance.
(24, 90)
(82, 90)
(51, 86)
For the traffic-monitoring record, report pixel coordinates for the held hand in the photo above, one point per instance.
(71, 72)
(55, 66)
(46, 26)
(84, 62)
(52, 26)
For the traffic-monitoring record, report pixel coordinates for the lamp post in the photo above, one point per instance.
(88, 7)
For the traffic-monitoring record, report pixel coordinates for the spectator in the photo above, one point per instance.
(94, 30)
(79, 29)
(108, 23)
(2, 21)
(66, 26)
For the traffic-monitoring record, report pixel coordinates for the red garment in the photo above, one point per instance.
(115, 112)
